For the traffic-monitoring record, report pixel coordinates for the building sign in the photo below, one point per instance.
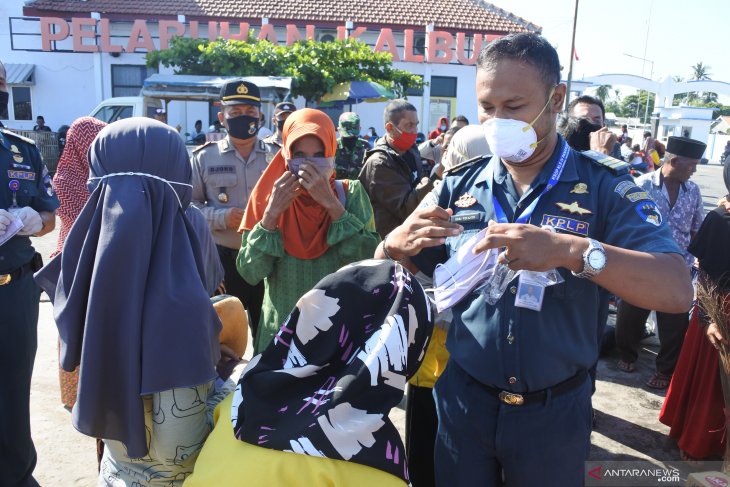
(90, 35)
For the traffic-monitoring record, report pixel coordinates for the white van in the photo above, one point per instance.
(113, 109)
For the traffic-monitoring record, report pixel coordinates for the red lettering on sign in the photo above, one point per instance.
(461, 49)
(166, 35)
(242, 31)
(439, 47)
(386, 39)
(408, 44)
(106, 42)
(79, 33)
(47, 36)
(267, 33)
(139, 30)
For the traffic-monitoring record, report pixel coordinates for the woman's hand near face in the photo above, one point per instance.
(319, 188)
(285, 190)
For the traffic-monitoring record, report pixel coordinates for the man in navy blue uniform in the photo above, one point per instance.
(26, 194)
(514, 403)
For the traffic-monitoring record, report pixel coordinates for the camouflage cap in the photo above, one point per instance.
(349, 124)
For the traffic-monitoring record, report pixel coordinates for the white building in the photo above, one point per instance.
(65, 56)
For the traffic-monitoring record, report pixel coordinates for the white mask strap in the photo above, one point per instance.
(169, 183)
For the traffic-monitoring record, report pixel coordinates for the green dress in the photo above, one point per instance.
(287, 278)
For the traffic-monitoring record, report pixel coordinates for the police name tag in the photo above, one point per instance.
(529, 293)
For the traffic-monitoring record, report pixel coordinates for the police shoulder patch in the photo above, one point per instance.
(210, 142)
(465, 164)
(616, 166)
(11, 134)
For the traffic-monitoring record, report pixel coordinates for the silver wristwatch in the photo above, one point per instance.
(594, 260)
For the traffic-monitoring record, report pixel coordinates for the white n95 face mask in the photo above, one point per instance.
(513, 140)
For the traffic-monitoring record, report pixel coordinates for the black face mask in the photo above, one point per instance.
(243, 126)
(349, 142)
(4, 97)
(280, 125)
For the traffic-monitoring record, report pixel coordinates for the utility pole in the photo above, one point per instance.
(572, 55)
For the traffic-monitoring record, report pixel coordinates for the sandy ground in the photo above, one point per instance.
(627, 412)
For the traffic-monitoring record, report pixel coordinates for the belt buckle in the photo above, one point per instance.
(511, 398)
(5, 279)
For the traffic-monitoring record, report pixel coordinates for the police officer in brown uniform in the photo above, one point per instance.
(224, 174)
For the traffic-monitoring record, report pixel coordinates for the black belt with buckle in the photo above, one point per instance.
(16, 274)
(521, 399)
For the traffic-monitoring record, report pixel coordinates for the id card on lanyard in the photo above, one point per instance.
(530, 292)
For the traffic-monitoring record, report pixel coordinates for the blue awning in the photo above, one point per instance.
(20, 74)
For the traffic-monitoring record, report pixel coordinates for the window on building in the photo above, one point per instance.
(443, 86)
(22, 108)
(127, 80)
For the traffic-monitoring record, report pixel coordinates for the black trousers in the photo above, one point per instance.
(19, 331)
(630, 323)
(251, 296)
(421, 427)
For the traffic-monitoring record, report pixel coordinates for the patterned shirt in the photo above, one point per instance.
(685, 217)
(348, 162)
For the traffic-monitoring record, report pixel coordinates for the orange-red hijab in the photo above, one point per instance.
(304, 224)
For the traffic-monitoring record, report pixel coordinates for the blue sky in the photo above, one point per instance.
(681, 33)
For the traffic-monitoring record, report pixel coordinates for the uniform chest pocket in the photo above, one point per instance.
(218, 180)
(571, 288)
(28, 190)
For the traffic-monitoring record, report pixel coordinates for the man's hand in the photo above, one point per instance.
(724, 202)
(603, 140)
(5, 219)
(533, 248)
(425, 227)
(233, 218)
(286, 189)
(714, 336)
(32, 221)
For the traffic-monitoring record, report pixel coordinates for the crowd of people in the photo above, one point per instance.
(330, 245)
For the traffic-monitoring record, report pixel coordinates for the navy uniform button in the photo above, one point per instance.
(510, 339)
(512, 380)
(513, 289)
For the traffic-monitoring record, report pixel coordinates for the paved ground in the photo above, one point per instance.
(627, 412)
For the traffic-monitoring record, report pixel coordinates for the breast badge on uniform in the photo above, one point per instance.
(580, 188)
(649, 212)
(573, 208)
(465, 201)
(566, 224)
(223, 197)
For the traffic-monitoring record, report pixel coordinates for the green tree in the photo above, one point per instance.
(635, 105)
(315, 67)
(602, 92)
(700, 71)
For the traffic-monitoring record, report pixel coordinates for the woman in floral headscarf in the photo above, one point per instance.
(313, 408)
(300, 223)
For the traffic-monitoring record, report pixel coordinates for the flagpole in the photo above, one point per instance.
(572, 55)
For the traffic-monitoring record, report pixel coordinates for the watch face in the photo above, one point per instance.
(597, 259)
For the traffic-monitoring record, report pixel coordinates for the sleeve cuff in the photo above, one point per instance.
(266, 241)
(343, 228)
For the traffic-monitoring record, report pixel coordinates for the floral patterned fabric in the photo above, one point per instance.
(685, 217)
(338, 365)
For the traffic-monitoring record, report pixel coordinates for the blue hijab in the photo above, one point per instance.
(128, 293)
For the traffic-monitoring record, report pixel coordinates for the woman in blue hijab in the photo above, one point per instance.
(132, 310)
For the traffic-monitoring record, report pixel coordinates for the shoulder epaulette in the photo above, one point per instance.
(210, 142)
(616, 166)
(12, 134)
(465, 164)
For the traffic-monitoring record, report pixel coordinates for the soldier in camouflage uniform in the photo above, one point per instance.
(350, 147)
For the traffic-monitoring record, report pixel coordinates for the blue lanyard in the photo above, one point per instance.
(554, 179)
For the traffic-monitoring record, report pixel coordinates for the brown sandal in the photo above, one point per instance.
(659, 381)
(626, 366)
